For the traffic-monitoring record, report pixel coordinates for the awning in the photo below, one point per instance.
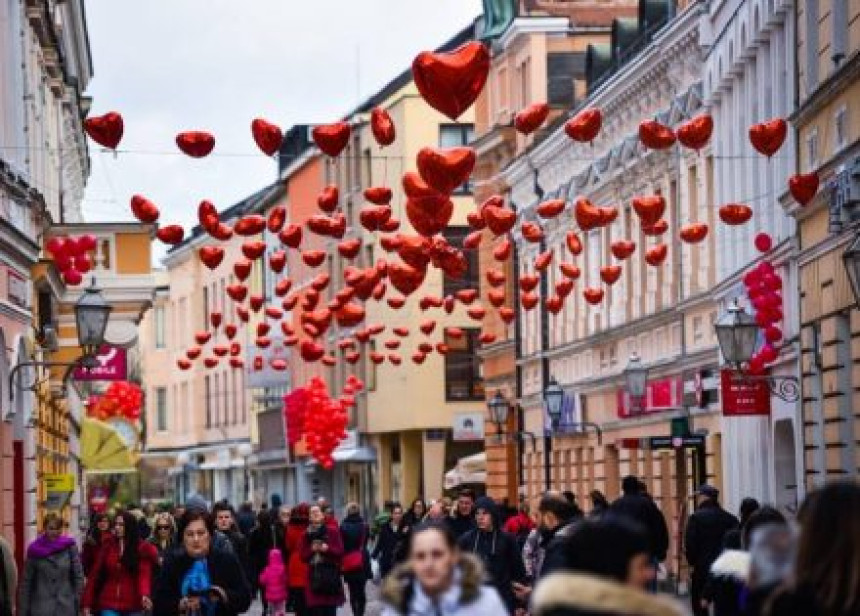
(471, 469)
(354, 454)
(103, 449)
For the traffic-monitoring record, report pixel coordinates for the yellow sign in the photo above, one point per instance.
(61, 482)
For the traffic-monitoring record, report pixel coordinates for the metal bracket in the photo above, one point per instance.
(786, 388)
(84, 361)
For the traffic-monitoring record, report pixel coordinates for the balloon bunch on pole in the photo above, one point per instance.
(326, 419)
(764, 288)
(121, 399)
(72, 256)
(295, 404)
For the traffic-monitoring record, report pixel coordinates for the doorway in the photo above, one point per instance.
(785, 467)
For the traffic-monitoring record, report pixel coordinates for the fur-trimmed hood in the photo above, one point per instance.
(397, 589)
(574, 593)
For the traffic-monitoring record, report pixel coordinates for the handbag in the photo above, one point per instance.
(325, 578)
(354, 561)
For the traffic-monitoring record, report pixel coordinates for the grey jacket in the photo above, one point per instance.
(52, 586)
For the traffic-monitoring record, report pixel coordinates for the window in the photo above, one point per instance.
(206, 308)
(161, 409)
(812, 150)
(811, 26)
(216, 393)
(563, 69)
(470, 279)
(208, 401)
(456, 135)
(159, 327)
(462, 368)
(840, 121)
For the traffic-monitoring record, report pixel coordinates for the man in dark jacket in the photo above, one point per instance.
(497, 549)
(703, 541)
(225, 523)
(463, 519)
(641, 509)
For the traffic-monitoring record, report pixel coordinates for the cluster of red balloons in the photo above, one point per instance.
(764, 288)
(72, 256)
(325, 419)
(121, 399)
(295, 403)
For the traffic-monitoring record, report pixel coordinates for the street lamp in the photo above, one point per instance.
(553, 395)
(851, 259)
(738, 334)
(499, 409)
(245, 450)
(92, 313)
(636, 380)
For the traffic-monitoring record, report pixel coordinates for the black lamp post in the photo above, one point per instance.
(738, 334)
(553, 395)
(636, 380)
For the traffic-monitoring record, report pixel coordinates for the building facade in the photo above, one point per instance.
(827, 122)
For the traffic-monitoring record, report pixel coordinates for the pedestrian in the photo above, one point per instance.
(390, 545)
(261, 542)
(826, 579)
(199, 578)
(297, 569)
(120, 583)
(246, 518)
(520, 525)
(607, 569)
(8, 578)
(273, 581)
(438, 579)
(703, 541)
(99, 529)
(322, 550)
(732, 539)
(437, 514)
(53, 575)
(639, 507)
(463, 518)
(163, 537)
(225, 523)
(599, 504)
(415, 515)
(355, 564)
(497, 550)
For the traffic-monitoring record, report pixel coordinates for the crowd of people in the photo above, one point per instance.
(469, 557)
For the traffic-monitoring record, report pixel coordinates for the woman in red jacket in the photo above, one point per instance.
(297, 569)
(120, 582)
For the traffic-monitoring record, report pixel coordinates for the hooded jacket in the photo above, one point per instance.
(403, 596)
(641, 509)
(498, 551)
(273, 579)
(577, 594)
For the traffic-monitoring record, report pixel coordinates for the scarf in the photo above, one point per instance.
(43, 546)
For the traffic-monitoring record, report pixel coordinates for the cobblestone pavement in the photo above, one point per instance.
(374, 606)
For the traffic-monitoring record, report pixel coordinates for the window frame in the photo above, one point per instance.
(161, 420)
(466, 136)
(475, 380)
(456, 235)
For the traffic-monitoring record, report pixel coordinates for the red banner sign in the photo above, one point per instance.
(741, 397)
(662, 395)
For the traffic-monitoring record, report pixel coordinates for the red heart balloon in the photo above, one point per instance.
(311, 351)
(531, 231)
(466, 296)
(593, 295)
(277, 217)
(507, 314)
(193, 353)
(650, 208)
(72, 277)
(476, 220)
(498, 218)
(767, 137)
(563, 287)
(429, 215)
(382, 127)
(473, 240)
(106, 130)
(696, 132)
(253, 249)
(656, 255)
(585, 125)
(230, 331)
(291, 236)
(211, 256)
(570, 270)
(418, 358)
(656, 136)
(282, 287)
(414, 250)
(349, 249)
(735, 213)
(502, 251)
(477, 312)
(530, 119)
(444, 169)
(587, 215)
(658, 228)
(242, 269)
(328, 199)
(622, 249)
(144, 209)
(803, 187)
(250, 225)
(551, 208)
(267, 136)
(694, 233)
(610, 274)
(451, 81)
(277, 261)
(543, 260)
(222, 232)
(202, 337)
(170, 234)
(527, 300)
(320, 224)
(183, 364)
(332, 138)
(529, 282)
(372, 217)
(496, 297)
(378, 195)
(237, 292)
(207, 216)
(195, 143)
(574, 244)
(313, 258)
(405, 278)
(554, 304)
(350, 315)
(210, 362)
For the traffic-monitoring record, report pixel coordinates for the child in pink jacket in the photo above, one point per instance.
(273, 581)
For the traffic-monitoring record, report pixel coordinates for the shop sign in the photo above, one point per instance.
(112, 365)
(58, 490)
(468, 427)
(701, 388)
(660, 395)
(741, 397)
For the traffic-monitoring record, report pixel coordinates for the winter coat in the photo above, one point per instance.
(240, 548)
(262, 540)
(90, 551)
(703, 540)
(520, 526)
(533, 554)
(790, 601)
(297, 569)
(273, 579)
(224, 571)
(501, 557)
(8, 578)
(333, 555)
(554, 546)
(353, 534)
(576, 594)
(460, 524)
(468, 596)
(110, 586)
(51, 586)
(389, 548)
(642, 510)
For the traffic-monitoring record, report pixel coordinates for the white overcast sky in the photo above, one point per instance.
(173, 65)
